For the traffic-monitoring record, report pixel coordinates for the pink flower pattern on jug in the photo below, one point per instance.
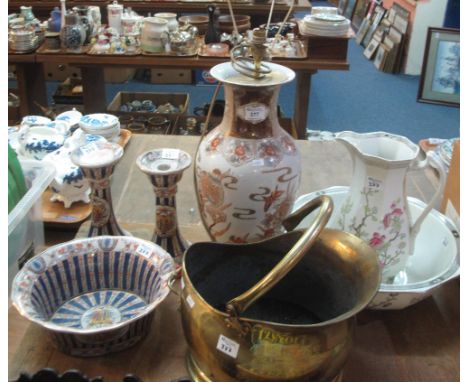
(376, 240)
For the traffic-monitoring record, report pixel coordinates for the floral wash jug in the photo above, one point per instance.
(376, 207)
(247, 168)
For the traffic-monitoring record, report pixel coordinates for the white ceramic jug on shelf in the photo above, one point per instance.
(376, 207)
(154, 35)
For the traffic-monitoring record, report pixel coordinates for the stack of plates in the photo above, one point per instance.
(324, 24)
(23, 41)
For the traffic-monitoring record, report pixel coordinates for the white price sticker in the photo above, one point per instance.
(255, 113)
(170, 154)
(227, 346)
(143, 250)
(190, 301)
(182, 284)
(374, 183)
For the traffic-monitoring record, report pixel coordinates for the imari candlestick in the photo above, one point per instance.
(165, 168)
(97, 161)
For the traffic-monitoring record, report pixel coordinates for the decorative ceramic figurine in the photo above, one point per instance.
(69, 184)
(97, 161)
(164, 168)
(247, 168)
(376, 208)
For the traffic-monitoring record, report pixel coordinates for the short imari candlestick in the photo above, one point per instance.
(97, 161)
(165, 168)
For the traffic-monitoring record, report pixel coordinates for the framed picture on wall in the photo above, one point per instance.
(440, 76)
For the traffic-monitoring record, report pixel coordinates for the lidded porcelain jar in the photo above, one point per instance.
(114, 16)
(247, 168)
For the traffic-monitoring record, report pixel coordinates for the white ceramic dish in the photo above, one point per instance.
(328, 17)
(434, 262)
(98, 120)
(106, 125)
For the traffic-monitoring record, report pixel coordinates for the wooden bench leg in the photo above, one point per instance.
(94, 90)
(31, 87)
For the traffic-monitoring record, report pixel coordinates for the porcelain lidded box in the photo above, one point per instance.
(106, 125)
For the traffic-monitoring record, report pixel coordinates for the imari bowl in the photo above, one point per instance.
(94, 295)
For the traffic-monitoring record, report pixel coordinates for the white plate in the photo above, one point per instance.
(435, 259)
(328, 17)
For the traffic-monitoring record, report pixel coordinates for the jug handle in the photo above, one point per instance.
(239, 304)
(438, 166)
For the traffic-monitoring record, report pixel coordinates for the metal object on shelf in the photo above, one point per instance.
(251, 66)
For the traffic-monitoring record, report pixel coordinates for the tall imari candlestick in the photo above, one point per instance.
(165, 168)
(97, 161)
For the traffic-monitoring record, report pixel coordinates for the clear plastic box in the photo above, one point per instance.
(25, 225)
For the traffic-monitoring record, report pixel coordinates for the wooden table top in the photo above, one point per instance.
(419, 343)
(306, 65)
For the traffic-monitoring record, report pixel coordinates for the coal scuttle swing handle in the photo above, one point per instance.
(239, 304)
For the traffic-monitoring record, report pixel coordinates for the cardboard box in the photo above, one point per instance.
(451, 200)
(171, 76)
(177, 99)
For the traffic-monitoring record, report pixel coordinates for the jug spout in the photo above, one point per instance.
(380, 147)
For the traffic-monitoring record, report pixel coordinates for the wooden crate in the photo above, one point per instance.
(180, 100)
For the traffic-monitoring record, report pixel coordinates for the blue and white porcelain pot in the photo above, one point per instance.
(37, 141)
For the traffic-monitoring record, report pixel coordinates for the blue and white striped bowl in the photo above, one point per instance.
(94, 295)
